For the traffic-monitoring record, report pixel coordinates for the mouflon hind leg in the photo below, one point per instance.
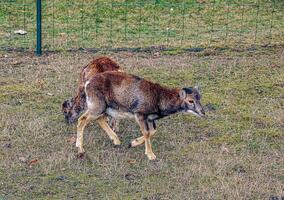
(95, 109)
(82, 122)
(104, 125)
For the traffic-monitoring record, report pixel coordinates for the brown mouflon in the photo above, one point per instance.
(119, 95)
(72, 108)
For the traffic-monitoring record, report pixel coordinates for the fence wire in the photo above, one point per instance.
(70, 24)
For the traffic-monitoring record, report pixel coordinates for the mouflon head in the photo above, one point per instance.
(191, 101)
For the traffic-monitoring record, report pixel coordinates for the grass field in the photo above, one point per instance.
(77, 24)
(237, 152)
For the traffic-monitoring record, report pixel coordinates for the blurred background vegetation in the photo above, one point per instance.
(76, 24)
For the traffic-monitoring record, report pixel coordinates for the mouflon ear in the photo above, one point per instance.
(182, 94)
(188, 90)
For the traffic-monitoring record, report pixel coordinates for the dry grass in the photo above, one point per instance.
(236, 153)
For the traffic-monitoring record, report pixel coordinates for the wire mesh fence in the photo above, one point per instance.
(77, 24)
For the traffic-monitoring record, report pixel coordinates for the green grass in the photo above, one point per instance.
(100, 24)
(235, 153)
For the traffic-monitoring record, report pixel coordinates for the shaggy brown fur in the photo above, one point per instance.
(122, 95)
(72, 108)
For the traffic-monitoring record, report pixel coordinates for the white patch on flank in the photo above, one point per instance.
(118, 114)
(89, 104)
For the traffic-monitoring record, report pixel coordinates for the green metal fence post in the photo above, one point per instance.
(38, 27)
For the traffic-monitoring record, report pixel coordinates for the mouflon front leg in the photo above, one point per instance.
(146, 134)
(104, 125)
(141, 140)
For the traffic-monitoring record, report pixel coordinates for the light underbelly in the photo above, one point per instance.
(119, 114)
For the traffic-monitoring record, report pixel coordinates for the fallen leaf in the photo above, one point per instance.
(131, 161)
(50, 94)
(33, 162)
(72, 140)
